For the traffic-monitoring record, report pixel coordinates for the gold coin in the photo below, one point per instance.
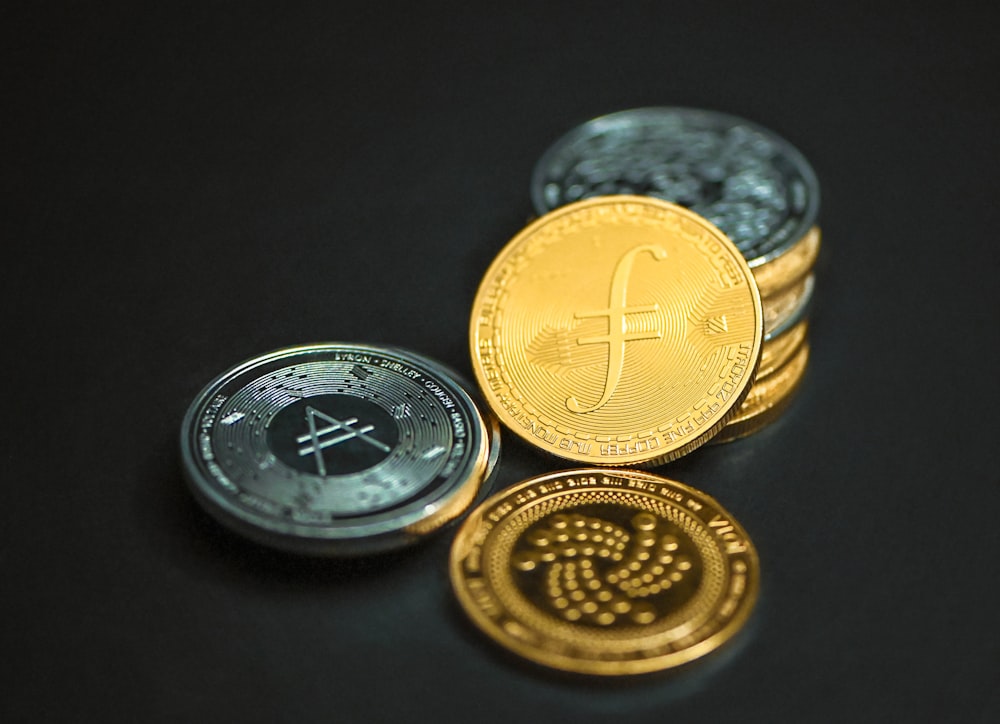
(619, 330)
(784, 310)
(776, 352)
(604, 571)
(768, 398)
(776, 275)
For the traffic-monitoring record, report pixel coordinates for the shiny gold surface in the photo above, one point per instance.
(606, 572)
(776, 352)
(778, 274)
(438, 513)
(778, 309)
(620, 330)
(768, 398)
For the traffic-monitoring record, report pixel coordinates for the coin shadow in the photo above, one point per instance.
(522, 461)
(180, 533)
(653, 689)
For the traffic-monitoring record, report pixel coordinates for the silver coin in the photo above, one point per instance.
(745, 179)
(337, 449)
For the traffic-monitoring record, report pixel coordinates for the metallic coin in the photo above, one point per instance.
(336, 449)
(775, 353)
(620, 330)
(744, 178)
(783, 311)
(778, 275)
(604, 571)
(768, 399)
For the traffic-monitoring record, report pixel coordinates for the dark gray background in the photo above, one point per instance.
(191, 185)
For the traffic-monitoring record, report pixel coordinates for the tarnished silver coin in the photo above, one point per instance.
(337, 449)
(745, 179)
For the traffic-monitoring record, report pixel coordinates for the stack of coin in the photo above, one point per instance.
(620, 330)
(748, 181)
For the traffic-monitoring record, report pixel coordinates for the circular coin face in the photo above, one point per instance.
(620, 330)
(336, 449)
(745, 179)
(605, 571)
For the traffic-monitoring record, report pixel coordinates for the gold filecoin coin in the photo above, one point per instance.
(603, 571)
(619, 330)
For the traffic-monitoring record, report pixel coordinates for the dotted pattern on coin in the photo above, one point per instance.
(616, 331)
(744, 178)
(335, 448)
(605, 572)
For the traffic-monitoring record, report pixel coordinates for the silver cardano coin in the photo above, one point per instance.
(337, 449)
(745, 179)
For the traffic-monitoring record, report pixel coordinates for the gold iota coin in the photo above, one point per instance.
(620, 330)
(604, 571)
(779, 274)
(768, 399)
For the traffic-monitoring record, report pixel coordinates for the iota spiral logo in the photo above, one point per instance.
(597, 572)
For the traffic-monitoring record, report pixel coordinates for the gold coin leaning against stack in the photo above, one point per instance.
(620, 330)
(786, 285)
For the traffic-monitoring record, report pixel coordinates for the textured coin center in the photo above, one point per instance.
(332, 435)
(618, 334)
(593, 567)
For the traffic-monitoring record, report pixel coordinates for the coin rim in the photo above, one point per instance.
(778, 275)
(782, 387)
(356, 534)
(798, 313)
(461, 546)
(586, 128)
(789, 342)
(656, 456)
